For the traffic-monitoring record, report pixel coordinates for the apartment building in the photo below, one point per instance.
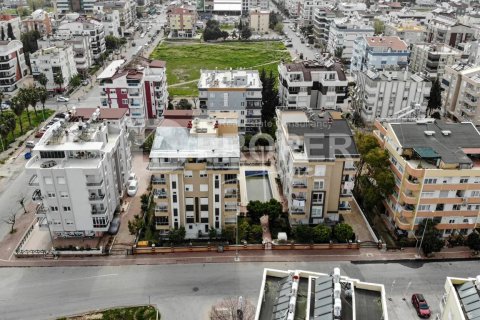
(316, 153)
(461, 84)
(79, 6)
(92, 29)
(342, 34)
(461, 299)
(182, 21)
(321, 25)
(432, 59)
(82, 51)
(248, 5)
(126, 9)
(448, 31)
(323, 296)
(139, 87)
(81, 167)
(53, 62)
(143, 6)
(13, 68)
(111, 23)
(38, 21)
(379, 53)
(239, 91)
(313, 84)
(14, 22)
(307, 9)
(259, 20)
(195, 172)
(386, 94)
(409, 31)
(437, 176)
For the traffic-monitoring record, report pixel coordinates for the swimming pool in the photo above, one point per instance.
(258, 186)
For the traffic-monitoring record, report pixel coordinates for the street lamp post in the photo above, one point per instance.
(237, 258)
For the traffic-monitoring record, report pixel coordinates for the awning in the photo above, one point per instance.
(471, 150)
(426, 152)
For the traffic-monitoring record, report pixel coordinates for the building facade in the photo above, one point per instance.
(385, 94)
(409, 31)
(92, 29)
(379, 53)
(312, 84)
(126, 9)
(342, 34)
(195, 172)
(182, 21)
(259, 20)
(13, 68)
(431, 60)
(322, 19)
(307, 9)
(79, 6)
(81, 167)
(461, 84)
(53, 62)
(15, 24)
(317, 181)
(446, 30)
(38, 21)
(436, 175)
(239, 91)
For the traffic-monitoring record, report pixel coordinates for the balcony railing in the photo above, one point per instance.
(40, 210)
(160, 195)
(94, 184)
(231, 194)
(99, 211)
(94, 197)
(158, 181)
(34, 181)
(161, 209)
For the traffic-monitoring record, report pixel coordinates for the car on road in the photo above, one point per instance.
(85, 82)
(142, 35)
(132, 188)
(132, 177)
(62, 99)
(307, 45)
(30, 144)
(4, 106)
(421, 305)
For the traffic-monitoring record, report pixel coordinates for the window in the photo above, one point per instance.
(451, 221)
(174, 197)
(217, 184)
(161, 221)
(53, 208)
(456, 207)
(318, 185)
(475, 193)
(320, 170)
(317, 197)
(174, 184)
(217, 198)
(463, 180)
(317, 211)
(428, 194)
(188, 187)
(431, 180)
(51, 195)
(63, 194)
(203, 187)
(125, 101)
(188, 174)
(204, 207)
(61, 180)
(175, 212)
(203, 174)
(466, 221)
(48, 180)
(68, 222)
(52, 154)
(448, 231)
(423, 207)
(217, 212)
(67, 208)
(230, 178)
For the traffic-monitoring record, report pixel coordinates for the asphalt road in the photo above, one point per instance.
(186, 292)
(299, 47)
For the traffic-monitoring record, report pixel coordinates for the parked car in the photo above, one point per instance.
(132, 177)
(85, 82)
(132, 188)
(114, 226)
(30, 144)
(39, 133)
(62, 99)
(421, 305)
(4, 106)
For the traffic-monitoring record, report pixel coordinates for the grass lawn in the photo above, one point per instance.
(184, 60)
(128, 313)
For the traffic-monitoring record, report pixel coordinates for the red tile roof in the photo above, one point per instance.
(157, 64)
(395, 43)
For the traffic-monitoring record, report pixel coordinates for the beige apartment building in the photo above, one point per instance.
(259, 20)
(431, 59)
(195, 167)
(437, 175)
(316, 153)
(462, 91)
(181, 21)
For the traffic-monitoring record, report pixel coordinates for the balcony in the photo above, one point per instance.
(299, 184)
(159, 180)
(96, 197)
(231, 194)
(297, 210)
(94, 183)
(412, 184)
(160, 194)
(223, 166)
(161, 209)
(231, 208)
(97, 211)
(34, 182)
(409, 198)
(40, 211)
(403, 223)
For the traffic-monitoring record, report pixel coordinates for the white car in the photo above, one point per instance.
(62, 99)
(132, 177)
(132, 188)
(142, 35)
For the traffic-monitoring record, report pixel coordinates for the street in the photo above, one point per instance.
(187, 292)
(299, 47)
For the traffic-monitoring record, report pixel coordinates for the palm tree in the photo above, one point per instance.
(23, 95)
(42, 79)
(42, 96)
(3, 133)
(9, 120)
(32, 98)
(1, 100)
(58, 79)
(17, 108)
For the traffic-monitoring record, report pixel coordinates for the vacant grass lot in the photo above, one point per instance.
(184, 60)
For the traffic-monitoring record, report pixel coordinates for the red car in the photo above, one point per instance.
(421, 305)
(39, 133)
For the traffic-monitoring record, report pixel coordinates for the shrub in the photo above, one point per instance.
(343, 232)
(321, 233)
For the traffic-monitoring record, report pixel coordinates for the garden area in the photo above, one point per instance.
(127, 313)
(185, 60)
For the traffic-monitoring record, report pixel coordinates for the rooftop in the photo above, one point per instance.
(111, 69)
(105, 113)
(402, 75)
(307, 67)
(452, 143)
(438, 48)
(392, 42)
(229, 79)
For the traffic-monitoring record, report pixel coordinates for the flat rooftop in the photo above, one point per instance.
(392, 42)
(229, 79)
(307, 67)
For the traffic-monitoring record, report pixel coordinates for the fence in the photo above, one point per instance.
(247, 247)
(24, 239)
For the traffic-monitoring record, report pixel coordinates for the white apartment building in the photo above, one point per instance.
(379, 53)
(312, 84)
(239, 91)
(92, 29)
(342, 34)
(111, 23)
(322, 19)
(461, 299)
(139, 87)
(461, 84)
(82, 52)
(58, 60)
(316, 153)
(384, 94)
(127, 10)
(307, 9)
(81, 167)
(446, 30)
(78, 6)
(431, 59)
(248, 5)
(195, 172)
(409, 31)
(13, 68)
(259, 20)
(14, 22)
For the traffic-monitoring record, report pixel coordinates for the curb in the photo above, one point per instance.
(420, 260)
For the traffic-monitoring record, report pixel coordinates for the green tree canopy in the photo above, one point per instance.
(177, 235)
(303, 233)
(435, 99)
(343, 232)
(321, 233)
(256, 209)
(473, 241)
(432, 239)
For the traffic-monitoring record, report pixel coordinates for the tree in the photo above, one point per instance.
(2, 36)
(270, 102)
(245, 32)
(303, 233)
(473, 241)
(11, 220)
(4, 131)
(144, 200)
(183, 104)
(338, 52)
(233, 309)
(10, 31)
(243, 230)
(42, 96)
(21, 202)
(147, 145)
(379, 26)
(229, 233)
(256, 209)
(31, 95)
(321, 233)
(42, 79)
(59, 81)
(273, 20)
(75, 81)
(225, 35)
(435, 99)
(278, 28)
(17, 108)
(212, 233)
(8, 123)
(256, 233)
(177, 235)
(432, 241)
(135, 225)
(24, 93)
(343, 232)
(112, 42)
(212, 30)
